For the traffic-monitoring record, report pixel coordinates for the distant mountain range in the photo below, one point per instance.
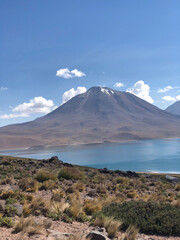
(97, 116)
(174, 108)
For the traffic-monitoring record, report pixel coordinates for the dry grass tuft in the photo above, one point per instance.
(29, 226)
(77, 237)
(92, 207)
(76, 205)
(28, 185)
(44, 175)
(70, 173)
(130, 233)
(112, 226)
(57, 195)
(36, 207)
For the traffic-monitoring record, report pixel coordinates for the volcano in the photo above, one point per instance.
(99, 115)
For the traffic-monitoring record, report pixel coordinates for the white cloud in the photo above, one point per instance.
(178, 98)
(77, 73)
(66, 73)
(3, 89)
(35, 105)
(141, 90)
(118, 84)
(72, 93)
(166, 89)
(12, 115)
(171, 99)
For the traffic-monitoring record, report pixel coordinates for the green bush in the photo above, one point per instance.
(10, 210)
(6, 222)
(70, 173)
(149, 217)
(44, 175)
(11, 201)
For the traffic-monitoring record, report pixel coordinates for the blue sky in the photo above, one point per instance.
(105, 41)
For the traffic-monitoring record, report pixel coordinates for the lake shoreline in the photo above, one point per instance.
(156, 156)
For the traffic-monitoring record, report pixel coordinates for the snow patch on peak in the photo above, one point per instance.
(104, 90)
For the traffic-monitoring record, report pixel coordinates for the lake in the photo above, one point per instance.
(145, 156)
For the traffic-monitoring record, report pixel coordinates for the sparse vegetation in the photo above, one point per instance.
(6, 222)
(114, 200)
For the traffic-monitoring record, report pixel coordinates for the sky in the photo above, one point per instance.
(51, 51)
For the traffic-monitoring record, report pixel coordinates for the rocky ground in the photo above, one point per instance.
(52, 200)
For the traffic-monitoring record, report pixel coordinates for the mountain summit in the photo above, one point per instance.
(174, 108)
(99, 115)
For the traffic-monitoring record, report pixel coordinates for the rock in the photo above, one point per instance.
(54, 235)
(132, 174)
(95, 235)
(67, 165)
(172, 179)
(147, 175)
(105, 170)
(19, 208)
(55, 160)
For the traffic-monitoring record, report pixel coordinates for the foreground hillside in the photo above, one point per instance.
(49, 199)
(96, 116)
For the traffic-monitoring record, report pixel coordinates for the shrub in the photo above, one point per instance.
(8, 194)
(28, 185)
(57, 195)
(56, 209)
(92, 207)
(70, 173)
(6, 222)
(130, 233)
(36, 207)
(65, 218)
(112, 226)
(79, 186)
(29, 226)
(44, 175)
(149, 217)
(82, 217)
(75, 208)
(10, 210)
(177, 188)
(122, 180)
(48, 185)
(131, 194)
(11, 201)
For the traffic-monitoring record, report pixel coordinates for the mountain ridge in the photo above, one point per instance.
(174, 108)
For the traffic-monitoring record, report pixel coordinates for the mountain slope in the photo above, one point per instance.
(99, 115)
(174, 108)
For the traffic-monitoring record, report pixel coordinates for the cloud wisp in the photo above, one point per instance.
(141, 90)
(72, 93)
(12, 115)
(118, 85)
(3, 89)
(66, 73)
(166, 89)
(171, 99)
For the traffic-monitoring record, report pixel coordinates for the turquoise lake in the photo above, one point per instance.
(144, 156)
